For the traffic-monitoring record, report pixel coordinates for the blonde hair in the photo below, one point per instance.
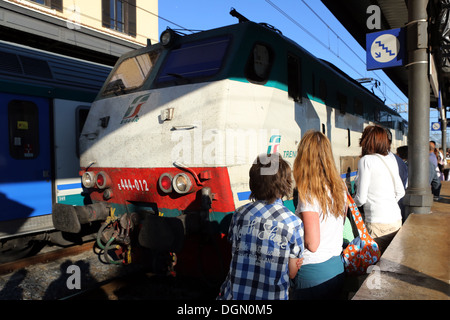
(316, 175)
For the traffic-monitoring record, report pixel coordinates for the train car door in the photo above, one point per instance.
(25, 157)
(69, 117)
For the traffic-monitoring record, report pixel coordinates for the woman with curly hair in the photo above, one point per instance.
(322, 206)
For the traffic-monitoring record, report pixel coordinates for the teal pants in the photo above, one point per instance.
(323, 280)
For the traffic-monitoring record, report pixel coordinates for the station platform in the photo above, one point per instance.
(416, 265)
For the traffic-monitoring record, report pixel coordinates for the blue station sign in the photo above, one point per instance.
(385, 49)
(435, 126)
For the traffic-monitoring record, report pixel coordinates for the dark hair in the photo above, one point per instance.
(374, 139)
(403, 152)
(270, 178)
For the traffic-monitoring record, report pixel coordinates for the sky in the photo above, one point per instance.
(307, 22)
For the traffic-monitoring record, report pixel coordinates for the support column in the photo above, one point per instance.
(418, 198)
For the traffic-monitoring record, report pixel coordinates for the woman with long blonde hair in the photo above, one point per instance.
(322, 206)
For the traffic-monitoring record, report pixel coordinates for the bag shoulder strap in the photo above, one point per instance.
(387, 166)
(356, 215)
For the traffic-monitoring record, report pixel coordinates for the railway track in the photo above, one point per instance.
(76, 273)
(57, 274)
(45, 257)
(149, 286)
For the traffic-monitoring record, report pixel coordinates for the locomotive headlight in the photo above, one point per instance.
(182, 183)
(88, 179)
(103, 181)
(108, 194)
(165, 182)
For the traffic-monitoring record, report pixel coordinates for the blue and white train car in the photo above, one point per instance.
(44, 101)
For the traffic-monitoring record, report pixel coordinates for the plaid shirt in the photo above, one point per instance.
(264, 237)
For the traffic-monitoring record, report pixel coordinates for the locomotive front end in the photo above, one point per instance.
(141, 174)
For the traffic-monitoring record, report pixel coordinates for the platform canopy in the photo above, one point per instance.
(394, 14)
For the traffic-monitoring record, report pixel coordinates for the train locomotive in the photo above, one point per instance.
(169, 140)
(44, 100)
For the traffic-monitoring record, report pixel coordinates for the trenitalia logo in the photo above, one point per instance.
(132, 114)
(274, 143)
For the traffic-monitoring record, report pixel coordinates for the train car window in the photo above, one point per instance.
(23, 125)
(402, 127)
(376, 115)
(359, 108)
(386, 120)
(131, 73)
(294, 78)
(342, 101)
(194, 60)
(35, 67)
(349, 140)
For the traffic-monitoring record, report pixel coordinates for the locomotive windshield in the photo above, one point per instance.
(194, 60)
(132, 73)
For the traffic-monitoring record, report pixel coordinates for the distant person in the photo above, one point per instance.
(432, 154)
(441, 163)
(379, 187)
(435, 180)
(265, 237)
(402, 161)
(402, 154)
(322, 206)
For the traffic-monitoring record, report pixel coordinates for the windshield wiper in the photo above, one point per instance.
(179, 76)
(115, 86)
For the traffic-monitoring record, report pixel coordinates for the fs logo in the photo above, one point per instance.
(274, 143)
(132, 114)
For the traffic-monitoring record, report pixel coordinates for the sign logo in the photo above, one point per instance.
(385, 49)
(435, 126)
(132, 113)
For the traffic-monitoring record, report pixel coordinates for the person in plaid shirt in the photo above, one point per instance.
(265, 236)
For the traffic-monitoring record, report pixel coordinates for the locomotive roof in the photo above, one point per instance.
(271, 34)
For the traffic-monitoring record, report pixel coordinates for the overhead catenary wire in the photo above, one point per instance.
(286, 15)
(349, 47)
(310, 34)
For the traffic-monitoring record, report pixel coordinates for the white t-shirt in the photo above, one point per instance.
(331, 234)
(375, 189)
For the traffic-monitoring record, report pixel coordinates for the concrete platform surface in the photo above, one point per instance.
(416, 265)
